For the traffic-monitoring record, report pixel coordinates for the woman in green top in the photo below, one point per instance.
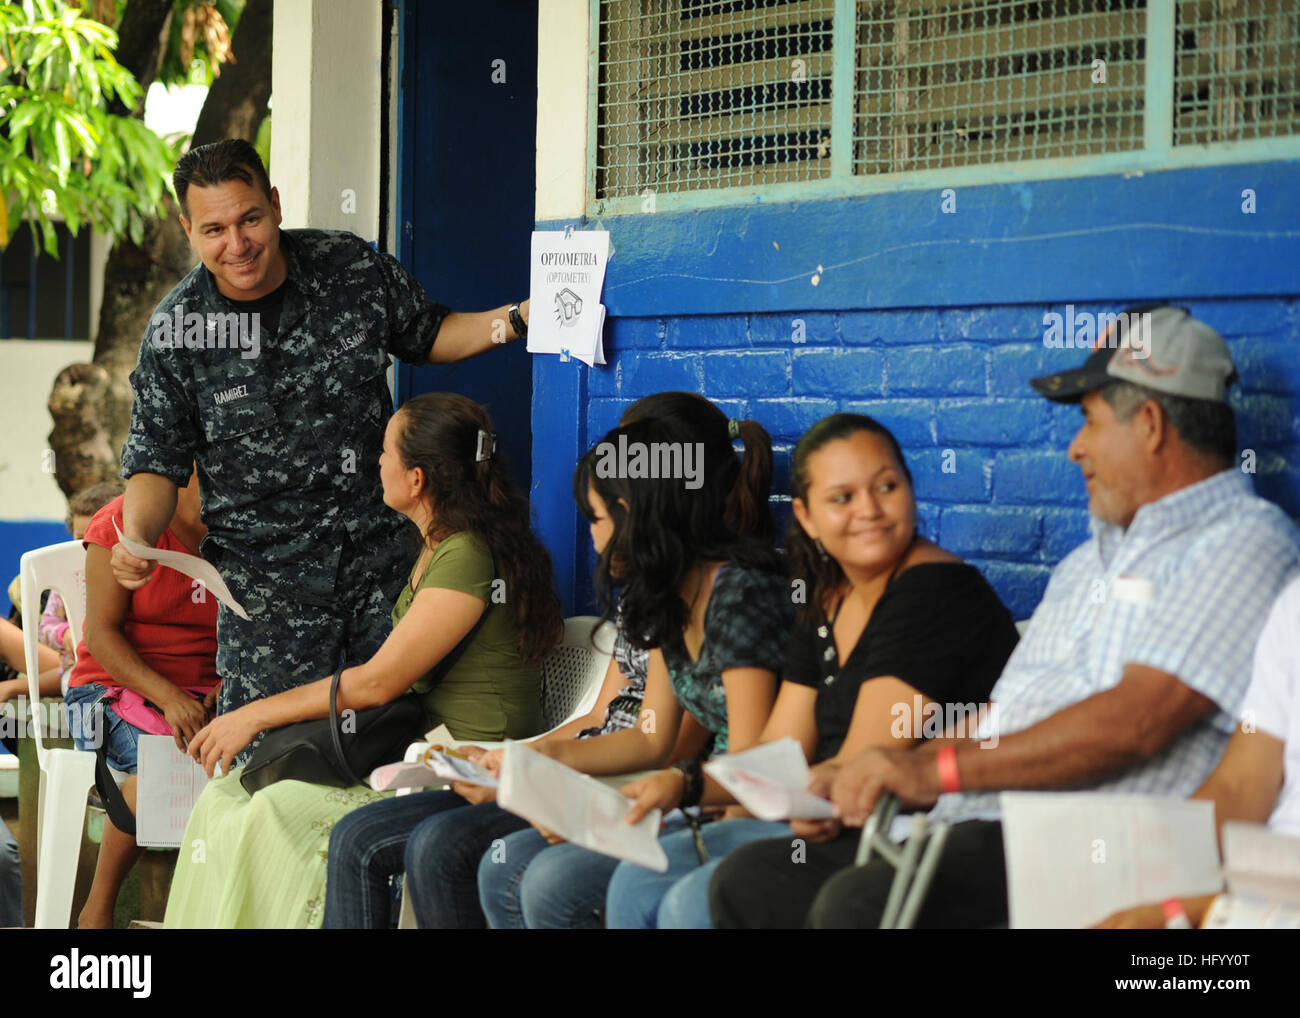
(261, 860)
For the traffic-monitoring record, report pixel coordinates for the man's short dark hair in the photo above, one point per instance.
(1206, 425)
(210, 165)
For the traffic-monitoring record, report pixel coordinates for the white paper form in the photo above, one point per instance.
(771, 781)
(1074, 858)
(168, 786)
(1261, 863)
(436, 769)
(191, 565)
(566, 274)
(577, 807)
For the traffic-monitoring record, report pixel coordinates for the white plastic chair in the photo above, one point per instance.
(573, 673)
(66, 774)
(571, 679)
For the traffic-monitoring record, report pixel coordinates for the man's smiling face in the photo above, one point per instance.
(234, 228)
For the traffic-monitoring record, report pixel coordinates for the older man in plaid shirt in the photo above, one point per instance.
(1132, 668)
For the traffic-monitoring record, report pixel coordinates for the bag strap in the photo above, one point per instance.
(443, 667)
(114, 802)
(341, 760)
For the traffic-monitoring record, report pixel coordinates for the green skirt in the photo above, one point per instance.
(258, 861)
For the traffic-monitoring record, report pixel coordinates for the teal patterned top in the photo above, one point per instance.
(746, 624)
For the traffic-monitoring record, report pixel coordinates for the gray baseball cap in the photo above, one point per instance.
(1163, 348)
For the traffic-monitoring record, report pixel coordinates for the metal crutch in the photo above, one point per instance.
(914, 862)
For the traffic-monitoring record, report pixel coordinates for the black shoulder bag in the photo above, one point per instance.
(314, 751)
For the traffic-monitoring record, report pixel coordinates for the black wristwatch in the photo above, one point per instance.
(517, 322)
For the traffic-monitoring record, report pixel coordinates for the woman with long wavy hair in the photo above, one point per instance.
(264, 856)
(712, 607)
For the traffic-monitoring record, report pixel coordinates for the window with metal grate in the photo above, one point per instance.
(696, 94)
(717, 101)
(1237, 72)
(955, 84)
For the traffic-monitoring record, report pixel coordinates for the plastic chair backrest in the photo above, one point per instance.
(572, 673)
(60, 567)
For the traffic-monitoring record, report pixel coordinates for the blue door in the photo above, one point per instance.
(466, 143)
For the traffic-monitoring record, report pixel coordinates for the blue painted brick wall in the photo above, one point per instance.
(989, 457)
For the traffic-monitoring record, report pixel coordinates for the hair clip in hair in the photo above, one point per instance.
(487, 446)
(733, 427)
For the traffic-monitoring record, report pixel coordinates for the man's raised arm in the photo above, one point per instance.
(464, 334)
(147, 509)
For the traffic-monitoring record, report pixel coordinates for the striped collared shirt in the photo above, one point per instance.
(1185, 589)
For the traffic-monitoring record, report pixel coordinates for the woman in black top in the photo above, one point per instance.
(897, 641)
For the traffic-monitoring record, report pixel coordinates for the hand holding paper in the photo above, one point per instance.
(191, 565)
(577, 807)
(436, 769)
(771, 781)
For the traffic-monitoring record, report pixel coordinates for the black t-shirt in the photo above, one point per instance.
(268, 310)
(938, 626)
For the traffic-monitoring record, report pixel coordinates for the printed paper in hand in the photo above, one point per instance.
(168, 786)
(1075, 858)
(436, 769)
(566, 274)
(771, 781)
(191, 565)
(1261, 863)
(577, 807)
(1262, 869)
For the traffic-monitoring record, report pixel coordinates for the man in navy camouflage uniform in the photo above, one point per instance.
(267, 365)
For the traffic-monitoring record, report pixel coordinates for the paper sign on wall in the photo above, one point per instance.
(566, 273)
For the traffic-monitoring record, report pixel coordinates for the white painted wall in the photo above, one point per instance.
(27, 372)
(325, 132)
(563, 44)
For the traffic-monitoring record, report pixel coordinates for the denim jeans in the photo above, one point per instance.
(442, 860)
(527, 884)
(435, 837)
(11, 880)
(90, 721)
(641, 899)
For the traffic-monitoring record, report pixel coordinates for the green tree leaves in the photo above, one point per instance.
(61, 153)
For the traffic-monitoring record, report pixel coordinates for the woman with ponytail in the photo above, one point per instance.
(712, 608)
(264, 857)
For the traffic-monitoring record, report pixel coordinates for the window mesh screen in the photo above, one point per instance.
(697, 94)
(1235, 75)
(943, 84)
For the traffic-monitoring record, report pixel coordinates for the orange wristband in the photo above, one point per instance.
(946, 761)
(1175, 915)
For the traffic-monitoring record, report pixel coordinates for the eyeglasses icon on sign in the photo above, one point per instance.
(568, 307)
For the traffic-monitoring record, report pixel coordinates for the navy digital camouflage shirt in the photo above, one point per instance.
(287, 432)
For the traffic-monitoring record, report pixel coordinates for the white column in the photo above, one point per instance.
(325, 89)
(563, 34)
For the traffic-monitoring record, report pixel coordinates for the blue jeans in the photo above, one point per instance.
(90, 721)
(11, 880)
(524, 883)
(641, 899)
(435, 837)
